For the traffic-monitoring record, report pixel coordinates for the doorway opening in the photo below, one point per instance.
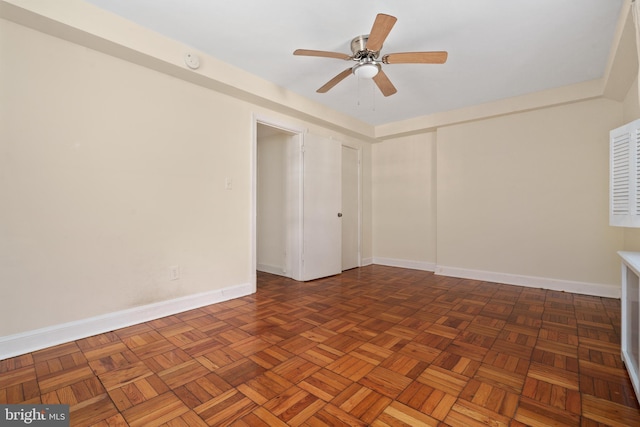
(277, 200)
(283, 192)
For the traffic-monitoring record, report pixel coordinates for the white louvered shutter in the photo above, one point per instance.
(624, 205)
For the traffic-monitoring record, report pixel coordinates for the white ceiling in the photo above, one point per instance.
(497, 48)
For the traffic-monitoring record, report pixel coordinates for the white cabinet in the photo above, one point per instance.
(631, 316)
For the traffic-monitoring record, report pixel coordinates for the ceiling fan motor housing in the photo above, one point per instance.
(359, 49)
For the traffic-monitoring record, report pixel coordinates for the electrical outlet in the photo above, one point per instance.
(174, 272)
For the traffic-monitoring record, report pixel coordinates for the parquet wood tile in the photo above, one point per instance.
(362, 402)
(537, 414)
(420, 351)
(188, 419)
(404, 365)
(465, 413)
(92, 411)
(116, 420)
(104, 350)
(443, 380)
(374, 346)
(240, 372)
(330, 415)
(137, 392)
(397, 414)
(457, 364)
(156, 411)
(385, 381)
(183, 373)
(493, 398)
(167, 360)
(427, 400)
(294, 405)
(225, 408)
(325, 384)
(608, 413)
(125, 375)
(60, 379)
(322, 355)
(113, 362)
(19, 385)
(351, 367)
(18, 376)
(296, 369)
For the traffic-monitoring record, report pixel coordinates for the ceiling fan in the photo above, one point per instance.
(366, 54)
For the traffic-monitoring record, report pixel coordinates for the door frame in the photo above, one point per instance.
(297, 137)
(359, 197)
(297, 133)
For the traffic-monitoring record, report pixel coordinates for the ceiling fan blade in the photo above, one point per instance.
(416, 58)
(334, 81)
(381, 28)
(384, 84)
(321, 53)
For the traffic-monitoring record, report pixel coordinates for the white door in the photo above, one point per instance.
(350, 208)
(322, 198)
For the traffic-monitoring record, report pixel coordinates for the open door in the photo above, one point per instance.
(322, 201)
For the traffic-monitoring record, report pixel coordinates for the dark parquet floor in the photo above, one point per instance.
(379, 346)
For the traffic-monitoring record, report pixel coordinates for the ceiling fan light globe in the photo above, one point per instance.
(366, 71)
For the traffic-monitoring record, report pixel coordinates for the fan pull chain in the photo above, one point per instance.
(373, 96)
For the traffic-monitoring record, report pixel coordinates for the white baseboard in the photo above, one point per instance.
(366, 261)
(26, 342)
(584, 288)
(413, 265)
(272, 269)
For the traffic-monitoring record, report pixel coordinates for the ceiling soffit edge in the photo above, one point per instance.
(533, 101)
(622, 67)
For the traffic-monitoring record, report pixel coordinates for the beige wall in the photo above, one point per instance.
(110, 173)
(404, 200)
(366, 174)
(631, 107)
(527, 194)
(523, 194)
